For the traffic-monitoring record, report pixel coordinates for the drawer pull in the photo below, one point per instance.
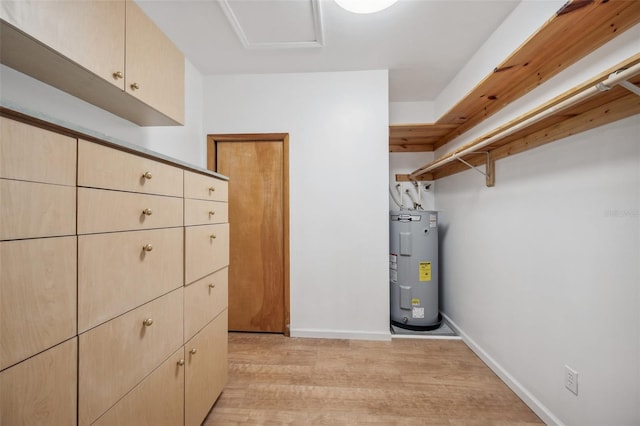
(212, 236)
(212, 212)
(212, 285)
(193, 351)
(147, 212)
(118, 75)
(148, 322)
(147, 175)
(181, 362)
(147, 247)
(212, 189)
(135, 86)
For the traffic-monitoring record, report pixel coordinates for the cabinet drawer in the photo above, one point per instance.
(42, 389)
(34, 154)
(117, 355)
(207, 369)
(31, 210)
(206, 249)
(106, 211)
(116, 273)
(103, 167)
(38, 303)
(158, 400)
(205, 187)
(204, 300)
(202, 212)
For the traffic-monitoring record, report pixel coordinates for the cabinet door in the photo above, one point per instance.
(207, 369)
(42, 389)
(204, 300)
(115, 273)
(38, 303)
(115, 356)
(158, 400)
(88, 32)
(155, 66)
(206, 249)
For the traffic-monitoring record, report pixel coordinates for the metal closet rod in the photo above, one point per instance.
(618, 77)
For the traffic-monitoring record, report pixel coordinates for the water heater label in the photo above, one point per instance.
(424, 269)
(415, 301)
(417, 312)
(433, 221)
(393, 276)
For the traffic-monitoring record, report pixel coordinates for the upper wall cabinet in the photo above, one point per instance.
(108, 53)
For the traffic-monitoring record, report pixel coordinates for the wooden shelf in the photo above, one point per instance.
(602, 108)
(574, 31)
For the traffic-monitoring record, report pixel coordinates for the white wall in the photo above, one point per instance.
(411, 112)
(405, 163)
(542, 270)
(338, 127)
(185, 143)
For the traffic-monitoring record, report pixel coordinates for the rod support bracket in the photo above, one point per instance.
(489, 172)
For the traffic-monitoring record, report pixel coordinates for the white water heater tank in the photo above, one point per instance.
(413, 269)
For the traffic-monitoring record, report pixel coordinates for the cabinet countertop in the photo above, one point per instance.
(16, 111)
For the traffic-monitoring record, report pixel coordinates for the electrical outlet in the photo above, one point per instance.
(571, 379)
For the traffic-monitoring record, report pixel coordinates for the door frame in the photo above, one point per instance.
(212, 140)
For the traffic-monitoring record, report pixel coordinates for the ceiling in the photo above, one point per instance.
(423, 43)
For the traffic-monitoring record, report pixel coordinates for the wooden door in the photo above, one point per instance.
(257, 197)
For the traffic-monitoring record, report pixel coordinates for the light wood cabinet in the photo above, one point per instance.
(107, 168)
(203, 187)
(51, 157)
(107, 211)
(207, 372)
(90, 33)
(117, 355)
(108, 53)
(42, 389)
(201, 212)
(155, 70)
(93, 317)
(204, 300)
(206, 250)
(33, 210)
(38, 303)
(116, 273)
(157, 401)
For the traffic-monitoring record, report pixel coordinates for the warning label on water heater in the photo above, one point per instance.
(424, 269)
(417, 312)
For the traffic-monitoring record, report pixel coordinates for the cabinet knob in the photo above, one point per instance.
(147, 322)
(193, 351)
(212, 236)
(181, 362)
(147, 247)
(212, 285)
(212, 189)
(118, 75)
(135, 86)
(147, 175)
(147, 212)
(212, 212)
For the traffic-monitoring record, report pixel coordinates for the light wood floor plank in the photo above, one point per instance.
(275, 380)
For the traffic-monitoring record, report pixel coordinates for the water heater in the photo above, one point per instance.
(413, 269)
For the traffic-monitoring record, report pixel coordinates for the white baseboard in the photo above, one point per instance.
(532, 402)
(341, 334)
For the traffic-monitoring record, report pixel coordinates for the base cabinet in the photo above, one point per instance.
(93, 318)
(157, 401)
(206, 373)
(41, 390)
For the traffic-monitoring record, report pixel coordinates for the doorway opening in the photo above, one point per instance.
(258, 169)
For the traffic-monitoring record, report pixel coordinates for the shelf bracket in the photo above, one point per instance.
(489, 173)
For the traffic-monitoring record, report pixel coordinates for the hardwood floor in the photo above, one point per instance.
(277, 380)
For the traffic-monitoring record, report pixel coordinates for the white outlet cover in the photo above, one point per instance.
(571, 379)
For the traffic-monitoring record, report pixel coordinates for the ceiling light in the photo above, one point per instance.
(365, 6)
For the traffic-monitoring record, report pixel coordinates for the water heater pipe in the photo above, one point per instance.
(615, 78)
